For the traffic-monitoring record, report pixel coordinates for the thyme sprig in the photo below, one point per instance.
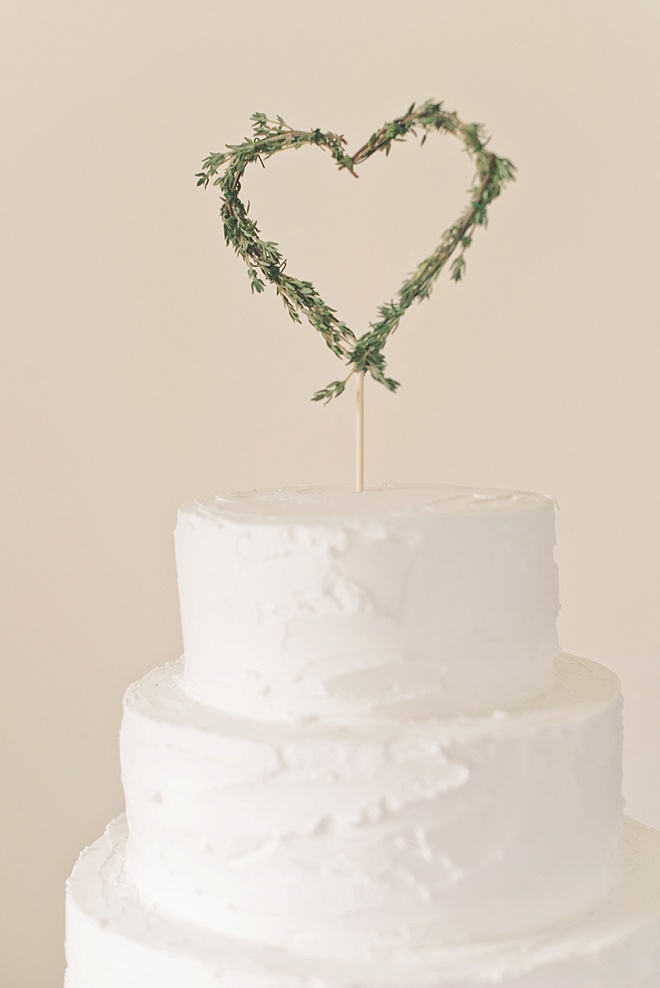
(265, 262)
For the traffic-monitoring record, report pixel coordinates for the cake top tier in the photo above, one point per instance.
(319, 504)
(418, 601)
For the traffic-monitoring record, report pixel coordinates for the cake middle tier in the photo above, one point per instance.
(340, 839)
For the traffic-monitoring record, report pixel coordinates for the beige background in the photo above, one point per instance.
(139, 372)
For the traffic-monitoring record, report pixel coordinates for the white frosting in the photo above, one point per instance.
(344, 839)
(368, 773)
(114, 940)
(401, 601)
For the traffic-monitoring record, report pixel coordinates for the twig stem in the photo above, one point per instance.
(359, 434)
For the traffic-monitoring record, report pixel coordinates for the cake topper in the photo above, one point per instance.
(364, 354)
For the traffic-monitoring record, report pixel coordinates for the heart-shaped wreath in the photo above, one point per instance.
(264, 261)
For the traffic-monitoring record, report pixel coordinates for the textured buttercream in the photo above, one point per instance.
(372, 769)
(114, 939)
(346, 839)
(400, 601)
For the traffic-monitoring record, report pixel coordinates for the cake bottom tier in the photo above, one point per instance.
(115, 941)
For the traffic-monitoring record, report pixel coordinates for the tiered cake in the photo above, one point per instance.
(372, 769)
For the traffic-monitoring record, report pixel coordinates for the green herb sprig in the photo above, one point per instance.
(364, 354)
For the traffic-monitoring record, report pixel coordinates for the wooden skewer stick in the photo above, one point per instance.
(359, 435)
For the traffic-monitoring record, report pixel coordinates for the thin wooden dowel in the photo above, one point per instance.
(359, 435)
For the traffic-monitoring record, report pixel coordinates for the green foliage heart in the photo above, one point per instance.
(264, 261)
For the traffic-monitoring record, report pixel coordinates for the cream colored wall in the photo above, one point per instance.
(139, 372)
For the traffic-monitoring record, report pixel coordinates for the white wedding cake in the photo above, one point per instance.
(372, 768)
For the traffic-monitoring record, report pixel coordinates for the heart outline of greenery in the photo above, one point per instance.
(265, 263)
